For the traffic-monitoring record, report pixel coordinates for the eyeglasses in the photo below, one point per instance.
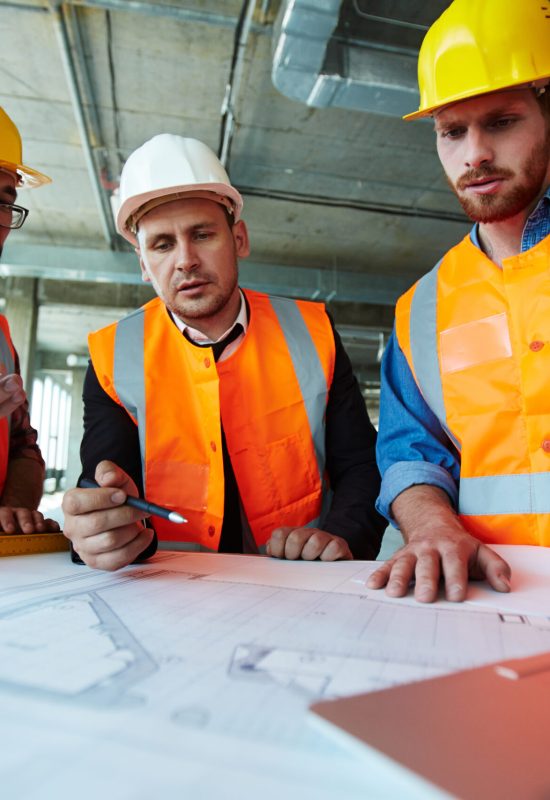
(12, 216)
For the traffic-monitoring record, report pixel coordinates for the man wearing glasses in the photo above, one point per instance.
(21, 463)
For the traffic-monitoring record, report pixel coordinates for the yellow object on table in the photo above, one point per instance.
(22, 544)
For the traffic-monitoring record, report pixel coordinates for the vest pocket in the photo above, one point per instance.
(474, 343)
(178, 485)
(286, 470)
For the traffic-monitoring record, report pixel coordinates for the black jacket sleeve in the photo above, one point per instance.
(109, 433)
(351, 463)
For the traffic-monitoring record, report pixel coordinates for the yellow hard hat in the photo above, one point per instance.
(482, 46)
(11, 155)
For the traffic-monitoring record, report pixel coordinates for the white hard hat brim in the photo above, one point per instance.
(133, 204)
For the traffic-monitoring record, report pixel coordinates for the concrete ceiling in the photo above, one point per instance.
(355, 197)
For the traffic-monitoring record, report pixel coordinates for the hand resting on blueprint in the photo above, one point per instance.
(106, 533)
(438, 548)
(308, 544)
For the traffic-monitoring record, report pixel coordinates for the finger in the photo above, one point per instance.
(8, 520)
(379, 578)
(337, 549)
(494, 568)
(50, 525)
(275, 547)
(40, 524)
(11, 383)
(84, 501)
(455, 572)
(109, 474)
(81, 526)
(121, 557)
(295, 542)
(12, 393)
(401, 575)
(24, 519)
(109, 541)
(427, 574)
(314, 545)
(9, 405)
(28, 519)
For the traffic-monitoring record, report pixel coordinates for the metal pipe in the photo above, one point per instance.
(400, 23)
(163, 10)
(76, 100)
(234, 83)
(24, 7)
(152, 10)
(390, 209)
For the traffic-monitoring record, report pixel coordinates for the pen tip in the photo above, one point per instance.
(175, 517)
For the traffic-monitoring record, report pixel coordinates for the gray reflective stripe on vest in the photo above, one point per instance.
(505, 494)
(424, 347)
(309, 371)
(6, 357)
(311, 377)
(128, 371)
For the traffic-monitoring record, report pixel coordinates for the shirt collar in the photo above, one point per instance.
(200, 338)
(535, 229)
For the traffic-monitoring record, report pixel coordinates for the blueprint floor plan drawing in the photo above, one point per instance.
(183, 677)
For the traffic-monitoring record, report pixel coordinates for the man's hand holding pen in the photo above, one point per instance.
(105, 531)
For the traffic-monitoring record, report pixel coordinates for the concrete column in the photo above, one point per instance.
(76, 428)
(22, 313)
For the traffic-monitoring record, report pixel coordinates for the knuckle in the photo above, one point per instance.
(70, 503)
(107, 541)
(294, 537)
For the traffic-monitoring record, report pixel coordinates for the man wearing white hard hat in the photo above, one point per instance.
(236, 409)
(21, 464)
(464, 444)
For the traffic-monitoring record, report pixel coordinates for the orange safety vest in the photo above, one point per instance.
(271, 394)
(477, 340)
(7, 366)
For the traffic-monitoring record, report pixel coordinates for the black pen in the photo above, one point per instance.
(137, 502)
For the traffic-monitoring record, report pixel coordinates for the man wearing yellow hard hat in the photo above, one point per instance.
(464, 444)
(21, 464)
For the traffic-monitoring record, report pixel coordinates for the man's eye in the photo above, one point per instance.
(202, 235)
(453, 133)
(504, 122)
(162, 246)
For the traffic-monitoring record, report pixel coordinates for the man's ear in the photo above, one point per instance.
(144, 273)
(240, 237)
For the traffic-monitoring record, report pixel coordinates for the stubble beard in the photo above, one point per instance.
(199, 308)
(490, 208)
(205, 307)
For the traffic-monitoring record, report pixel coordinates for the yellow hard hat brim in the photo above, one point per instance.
(28, 178)
(428, 112)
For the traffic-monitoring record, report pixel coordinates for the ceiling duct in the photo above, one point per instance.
(318, 62)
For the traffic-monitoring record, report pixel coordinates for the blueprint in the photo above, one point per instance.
(191, 676)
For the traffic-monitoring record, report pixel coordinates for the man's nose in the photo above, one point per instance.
(187, 258)
(478, 150)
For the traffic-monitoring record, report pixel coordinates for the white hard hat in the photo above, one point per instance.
(170, 166)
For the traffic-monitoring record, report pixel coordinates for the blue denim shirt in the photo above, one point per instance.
(412, 447)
